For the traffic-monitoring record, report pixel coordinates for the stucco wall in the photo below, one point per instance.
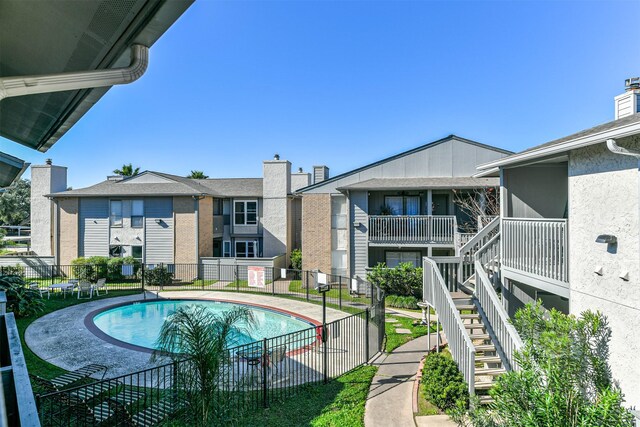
(185, 230)
(275, 213)
(45, 179)
(126, 235)
(603, 199)
(68, 231)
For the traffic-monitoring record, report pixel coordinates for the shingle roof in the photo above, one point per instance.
(594, 135)
(177, 186)
(422, 183)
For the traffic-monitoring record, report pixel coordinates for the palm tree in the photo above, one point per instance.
(198, 339)
(127, 170)
(197, 175)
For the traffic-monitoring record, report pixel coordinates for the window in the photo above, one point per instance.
(136, 252)
(116, 213)
(393, 259)
(217, 206)
(246, 249)
(226, 249)
(115, 251)
(245, 212)
(398, 205)
(137, 213)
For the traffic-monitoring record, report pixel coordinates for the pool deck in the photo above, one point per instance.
(62, 339)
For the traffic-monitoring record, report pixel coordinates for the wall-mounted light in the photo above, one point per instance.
(607, 238)
(357, 224)
(624, 275)
(159, 221)
(598, 270)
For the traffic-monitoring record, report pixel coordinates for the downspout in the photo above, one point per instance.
(29, 85)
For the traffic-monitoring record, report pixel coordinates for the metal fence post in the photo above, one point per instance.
(273, 280)
(366, 335)
(340, 291)
(264, 361)
(237, 278)
(142, 280)
(52, 272)
(306, 282)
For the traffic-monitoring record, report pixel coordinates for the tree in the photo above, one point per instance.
(403, 280)
(127, 170)
(197, 175)
(477, 203)
(564, 378)
(15, 204)
(197, 339)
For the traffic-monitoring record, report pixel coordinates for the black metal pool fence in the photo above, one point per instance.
(299, 284)
(251, 377)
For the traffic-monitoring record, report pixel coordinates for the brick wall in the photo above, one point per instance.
(316, 232)
(205, 227)
(185, 230)
(68, 230)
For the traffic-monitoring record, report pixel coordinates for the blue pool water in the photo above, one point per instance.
(139, 323)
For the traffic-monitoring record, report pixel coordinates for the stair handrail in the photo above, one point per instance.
(466, 269)
(481, 234)
(507, 338)
(437, 295)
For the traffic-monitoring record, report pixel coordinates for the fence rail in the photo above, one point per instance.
(536, 246)
(412, 229)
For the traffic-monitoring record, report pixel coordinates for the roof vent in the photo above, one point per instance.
(320, 173)
(48, 162)
(276, 156)
(300, 170)
(115, 178)
(628, 103)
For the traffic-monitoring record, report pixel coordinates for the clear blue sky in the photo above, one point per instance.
(347, 83)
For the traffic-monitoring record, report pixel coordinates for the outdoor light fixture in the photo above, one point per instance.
(598, 270)
(607, 238)
(624, 276)
(159, 221)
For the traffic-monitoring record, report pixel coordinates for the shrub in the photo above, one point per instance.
(15, 270)
(403, 280)
(443, 383)
(21, 300)
(114, 267)
(399, 301)
(296, 259)
(159, 276)
(99, 267)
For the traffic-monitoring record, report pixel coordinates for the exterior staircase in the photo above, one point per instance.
(488, 364)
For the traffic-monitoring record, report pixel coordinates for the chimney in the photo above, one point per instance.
(629, 102)
(276, 187)
(45, 179)
(300, 180)
(320, 173)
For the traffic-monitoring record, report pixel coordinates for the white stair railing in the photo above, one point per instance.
(468, 250)
(505, 337)
(437, 295)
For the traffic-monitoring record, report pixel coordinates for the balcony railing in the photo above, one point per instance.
(412, 229)
(537, 247)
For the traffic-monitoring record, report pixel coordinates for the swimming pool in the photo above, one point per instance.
(139, 324)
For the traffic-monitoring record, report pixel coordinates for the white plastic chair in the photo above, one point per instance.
(101, 284)
(85, 287)
(36, 287)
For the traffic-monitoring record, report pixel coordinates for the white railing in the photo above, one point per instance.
(487, 261)
(469, 249)
(465, 237)
(436, 294)
(412, 229)
(536, 246)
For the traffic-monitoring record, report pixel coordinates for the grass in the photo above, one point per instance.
(296, 286)
(337, 404)
(35, 365)
(395, 340)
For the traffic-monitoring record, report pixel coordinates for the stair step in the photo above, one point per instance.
(488, 359)
(490, 371)
(483, 385)
(461, 307)
(479, 336)
(485, 400)
(474, 326)
(485, 347)
(471, 316)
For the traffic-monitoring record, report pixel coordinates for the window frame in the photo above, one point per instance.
(247, 243)
(111, 247)
(226, 249)
(141, 258)
(136, 217)
(245, 212)
(112, 217)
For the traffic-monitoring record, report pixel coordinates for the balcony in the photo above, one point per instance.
(415, 230)
(534, 251)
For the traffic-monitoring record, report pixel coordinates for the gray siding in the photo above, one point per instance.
(359, 259)
(94, 227)
(539, 191)
(159, 237)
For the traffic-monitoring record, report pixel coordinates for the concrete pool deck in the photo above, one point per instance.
(62, 339)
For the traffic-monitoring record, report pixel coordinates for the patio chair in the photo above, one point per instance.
(85, 287)
(278, 354)
(152, 415)
(36, 287)
(101, 284)
(64, 380)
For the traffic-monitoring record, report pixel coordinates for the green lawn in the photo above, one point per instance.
(337, 404)
(297, 287)
(35, 365)
(395, 340)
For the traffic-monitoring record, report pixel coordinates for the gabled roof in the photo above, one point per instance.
(170, 185)
(626, 126)
(404, 153)
(422, 183)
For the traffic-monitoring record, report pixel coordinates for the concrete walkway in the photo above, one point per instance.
(390, 397)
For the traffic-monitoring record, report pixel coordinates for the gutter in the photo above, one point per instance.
(30, 85)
